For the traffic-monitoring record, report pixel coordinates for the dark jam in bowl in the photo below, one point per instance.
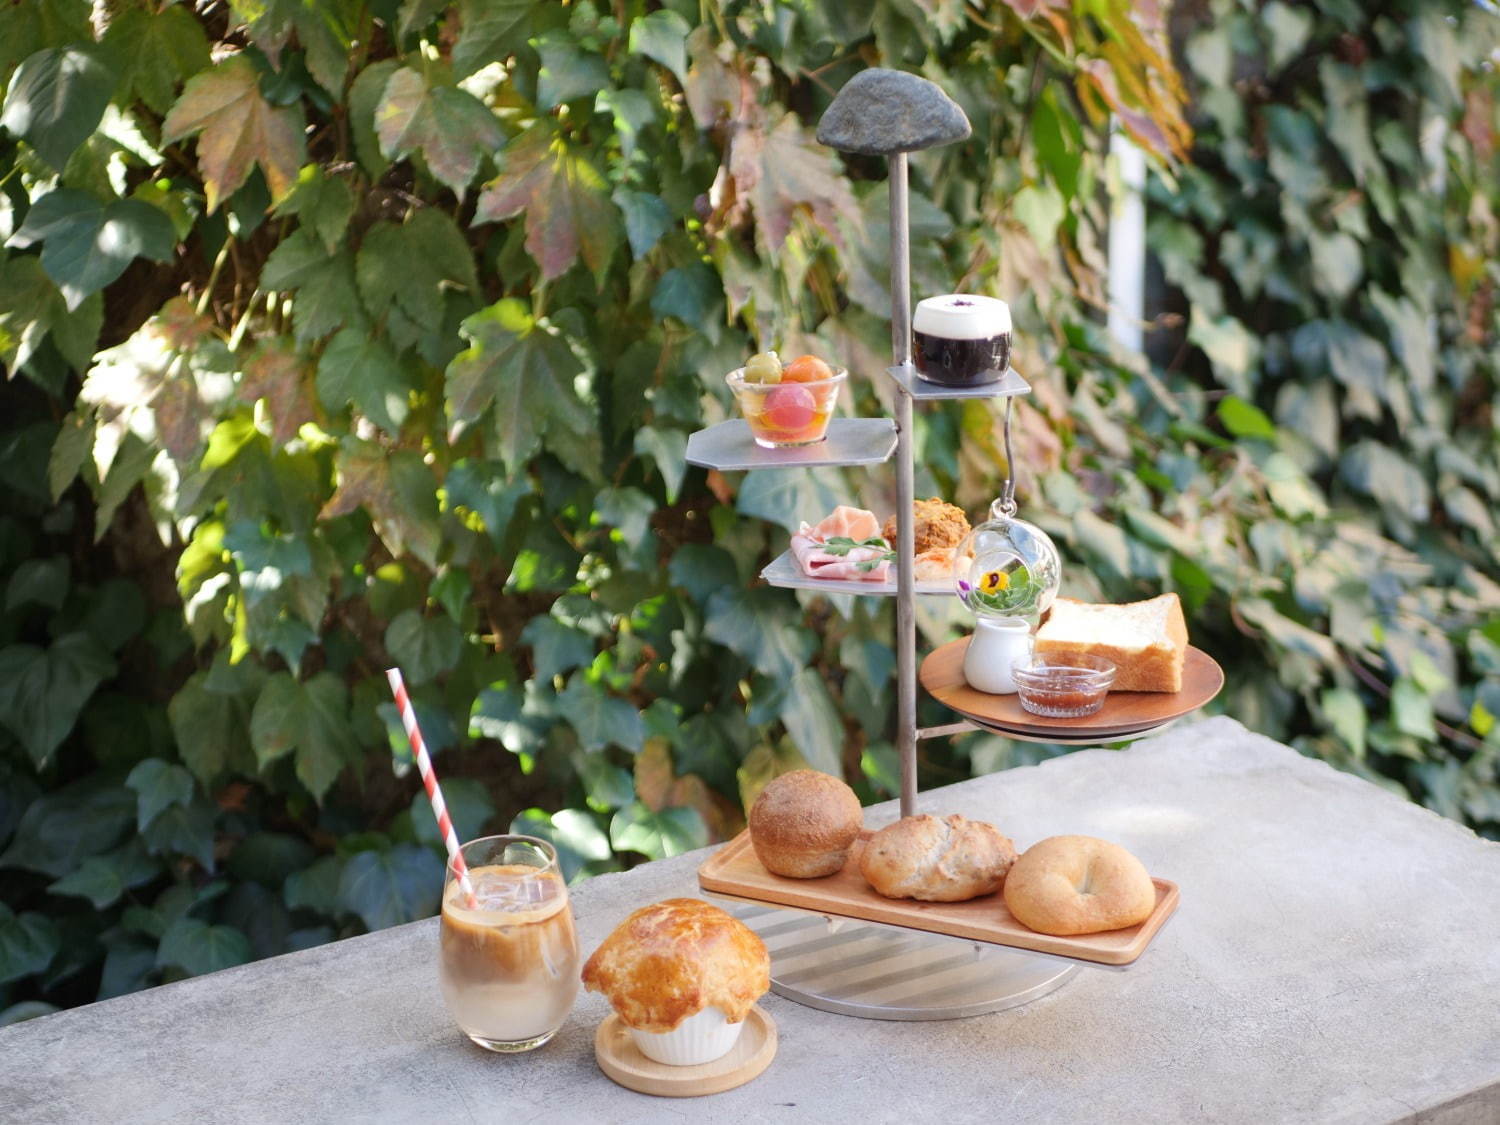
(961, 340)
(961, 363)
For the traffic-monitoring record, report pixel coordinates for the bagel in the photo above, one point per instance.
(1068, 885)
(804, 823)
(937, 859)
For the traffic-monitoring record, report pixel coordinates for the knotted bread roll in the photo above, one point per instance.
(1078, 885)
(934, 859)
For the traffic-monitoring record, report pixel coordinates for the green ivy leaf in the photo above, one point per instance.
(667, 448)
(662, 36)
(185, 829)
(556, 648)
(406, 272)
(42, 691)
(365, 93)
(527, 371)
(28, 943)
(647, 218)
(423, 647)
(813, 721)
(42, 582)
(128, 965)
(359, 369)
(702, 570)
(483, 488)
(104, 879)
(567, 73)
(323, 203)
(156, 51)
(56, 99)
(269, 858)
(599, 718)
(87, 244)
(158, 785)
(327, 297)
(1411, 710)
(62, 828)
(690, 293)
(309, 718)
(1245, 419)
(492, 31)
(387, 888)
(469, 805)
(211, 728)
(1345, 713)
(196, 947)
(759, 625)
(657, 835)
(607, 785)
(316, 887)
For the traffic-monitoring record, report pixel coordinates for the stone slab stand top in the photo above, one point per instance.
(881, 112)
(1336, 958)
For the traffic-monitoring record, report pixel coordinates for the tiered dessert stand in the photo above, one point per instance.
(819, 958)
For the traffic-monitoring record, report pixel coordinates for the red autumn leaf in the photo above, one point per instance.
(239, 129)
(281, 377)
(782, 170)
(567, 206)
(452, 128)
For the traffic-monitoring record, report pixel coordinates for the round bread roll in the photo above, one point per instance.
(671, 960)
(1078, 885)
(804, 823)
(937, 859)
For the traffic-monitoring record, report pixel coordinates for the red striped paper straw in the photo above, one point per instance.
(429, 779)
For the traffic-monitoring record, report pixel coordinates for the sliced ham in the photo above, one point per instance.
(852, 523)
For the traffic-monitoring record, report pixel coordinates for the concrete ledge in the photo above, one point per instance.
(1336, 958)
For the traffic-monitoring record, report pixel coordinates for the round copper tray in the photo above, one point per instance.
(1124, 712)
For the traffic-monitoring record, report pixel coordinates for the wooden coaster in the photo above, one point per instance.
(621, 1060)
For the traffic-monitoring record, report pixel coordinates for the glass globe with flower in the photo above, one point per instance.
(1007, 568)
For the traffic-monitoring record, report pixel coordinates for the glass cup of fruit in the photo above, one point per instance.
(786, 404)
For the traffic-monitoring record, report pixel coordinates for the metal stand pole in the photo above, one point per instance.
(906, 618)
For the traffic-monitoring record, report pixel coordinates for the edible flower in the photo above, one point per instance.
(994, 581)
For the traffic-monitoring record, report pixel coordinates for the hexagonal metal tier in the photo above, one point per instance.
(921, 390)
(850, 441)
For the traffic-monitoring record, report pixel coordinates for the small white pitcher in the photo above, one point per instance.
(995, 646)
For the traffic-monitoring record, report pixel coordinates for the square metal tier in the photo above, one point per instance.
(784, 571)
(850, 441)
(921, 390)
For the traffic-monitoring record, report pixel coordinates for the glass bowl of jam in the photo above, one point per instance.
(1063, 687)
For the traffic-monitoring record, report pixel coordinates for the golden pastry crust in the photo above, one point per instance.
(937, 859)
(1078, 885)
(670, 960)
(804, 823)
(935, 524)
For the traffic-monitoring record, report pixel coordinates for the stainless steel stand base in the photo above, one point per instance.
(884, 973)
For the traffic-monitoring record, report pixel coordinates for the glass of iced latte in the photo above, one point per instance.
(508, 960)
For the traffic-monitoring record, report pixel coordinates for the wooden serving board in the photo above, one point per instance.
(735, 870)
(619, 1058)
(1124, 712)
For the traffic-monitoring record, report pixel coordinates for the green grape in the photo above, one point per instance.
(763, 367)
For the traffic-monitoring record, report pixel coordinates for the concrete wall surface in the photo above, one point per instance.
(1335, 958)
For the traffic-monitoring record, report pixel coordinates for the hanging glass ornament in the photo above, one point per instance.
(1007, 568)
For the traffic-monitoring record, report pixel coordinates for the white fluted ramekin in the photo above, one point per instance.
(700, 1038)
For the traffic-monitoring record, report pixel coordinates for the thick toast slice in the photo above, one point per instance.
(1146, 640)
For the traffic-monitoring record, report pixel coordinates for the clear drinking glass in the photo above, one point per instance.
(508, 963)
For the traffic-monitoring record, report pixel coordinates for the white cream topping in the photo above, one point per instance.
(961, 316)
